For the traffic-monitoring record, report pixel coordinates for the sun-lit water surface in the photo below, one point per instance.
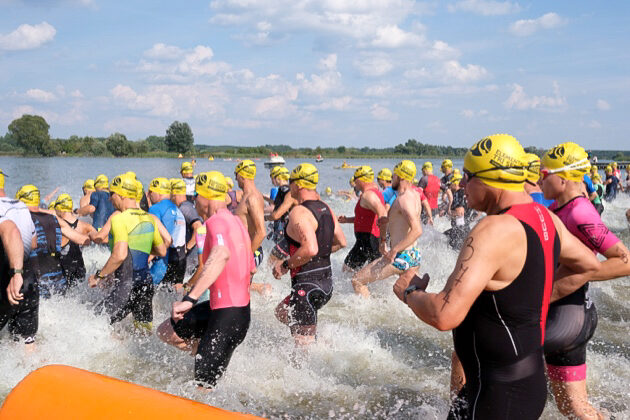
(373, 357)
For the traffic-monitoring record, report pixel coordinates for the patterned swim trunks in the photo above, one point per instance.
(407, 259)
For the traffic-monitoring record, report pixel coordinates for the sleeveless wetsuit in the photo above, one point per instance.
(460, 227)
(311, 283)
(281, 249)
(72, 260)
(222, 324)
(22, 319)
(500, 341)
(46, 257)
(367, 234)
(132, 291)
(190, 189)
(572, 320)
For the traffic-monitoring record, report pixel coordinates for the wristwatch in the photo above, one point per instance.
(411, 289)
(187, 298)
(98, 275)
(285, 264)
(14, 271)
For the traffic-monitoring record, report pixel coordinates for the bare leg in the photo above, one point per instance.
(260, 288)
(377, 270)
(304, 335)
(166, 333)
(458, 377)
(572, 400)
(282, 313)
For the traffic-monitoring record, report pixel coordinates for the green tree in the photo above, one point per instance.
(31, 133)
(118, 145)
(179, 137)
(341, 149)
(156, 143)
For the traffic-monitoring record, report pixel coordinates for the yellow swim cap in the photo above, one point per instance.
(64, 203)
(364, 173)
(88, 185)
(160, 185)
(456, 178)
(229, 182)
(101, 181)
(125, 186)
(446, 163)
(608, 169)
(1, 180)
(428, 166)
(246, 169)
(305, 175)
(385, 174)
(140, 189)
(51, 205)
(282, 173)
(406, 170)
(211, 185)
(274, 171)
(178, 186)
(533, 167)
(187, 168)
(328, 190)
(498, 161)
(614, 165)
(567, 160)
(596, 178)
(29, 195)
(131, 174)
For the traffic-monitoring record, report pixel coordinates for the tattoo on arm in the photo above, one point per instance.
(467, 254)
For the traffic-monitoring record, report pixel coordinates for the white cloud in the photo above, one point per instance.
(162, 51)
(76, 94)
(325, 83)
(485, 7)
(274, 107)
(526, 27)
(40, 95)
(391, 36)
(380, 90)
(373, 65)
(453, 70)
(520, 100)
(336, 104)
(27, 37)
(380, 112)
(440, 50)
(173, 63)
(602, 105)
(470, 114)
(594, 124)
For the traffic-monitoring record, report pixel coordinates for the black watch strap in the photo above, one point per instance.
(285, 264)
(98, 275)
(187, 298)
(14, 271)
(410, 289)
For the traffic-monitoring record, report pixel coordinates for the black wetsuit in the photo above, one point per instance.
(72, 260)
(46, 258)
(281, 250)
(457, 234)
(311, 283)
(500, 342)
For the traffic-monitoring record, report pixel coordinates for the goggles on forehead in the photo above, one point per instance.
(580, 164)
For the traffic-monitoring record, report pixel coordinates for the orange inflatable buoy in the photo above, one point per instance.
(59, 392)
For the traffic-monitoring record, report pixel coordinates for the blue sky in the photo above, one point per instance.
(321, 72)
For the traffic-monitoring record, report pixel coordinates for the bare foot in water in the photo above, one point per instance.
(360, 289)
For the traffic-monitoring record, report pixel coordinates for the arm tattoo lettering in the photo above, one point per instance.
(467, 255)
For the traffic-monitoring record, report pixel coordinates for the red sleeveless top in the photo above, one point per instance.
(365, 220)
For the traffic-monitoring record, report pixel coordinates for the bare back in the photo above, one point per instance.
(251, 211)
(406, 208)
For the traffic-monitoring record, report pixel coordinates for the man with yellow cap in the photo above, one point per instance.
(251, 210)
(135, 236)
(193, 220)
(282, 204)
(233, 197)
(369, 214)
(459, 213)
(188, 177)
(430, 185)
(212, 330)
(50, 230)
(402, 258)
(71, 255)
(599, 191)
(172, 268)
(100, 206)
(531, 185)
(565, 345)
(19, 297)
(313, 234)
(497, 297)
(384, 181)
(88, 189)
(612, 184)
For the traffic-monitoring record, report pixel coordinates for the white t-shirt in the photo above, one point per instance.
(17, 212)
(190, 186)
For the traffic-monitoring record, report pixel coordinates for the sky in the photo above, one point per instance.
(321, 72)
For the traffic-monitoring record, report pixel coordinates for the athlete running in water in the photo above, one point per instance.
(251, 210)
(532, 182)
(233, 197)
(459, 213)
(313, 234)
(497, 297)
(71, 255)
(135, 236)
(192, 218)
(572, 319)
(282, 204)
(187, 175)
(404, 228)
(384, 180)
(88, 189)
(212, 330)
(100, 207)
(369, 214)
(19, 296)
(430, 185)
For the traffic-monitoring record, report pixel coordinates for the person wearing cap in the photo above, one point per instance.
(496, 299)
(187, 175)
(172, 268)
(313, 233)
(430, 185)
(531, 185)
(100, 207)
(193, 220)
(87, 189)
(233, 197)
(460, 214)
(384, 181)
(282, 205)
(563, 170)
(251, 210)
(135, 236)
(369, 214)
(274, 189)
(50, 230)
(212, 330)
(19, 297)
(612, 184)
(72, 262)
(599, 190)
(402, 257)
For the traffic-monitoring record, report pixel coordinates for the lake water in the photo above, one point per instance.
(373, 358)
